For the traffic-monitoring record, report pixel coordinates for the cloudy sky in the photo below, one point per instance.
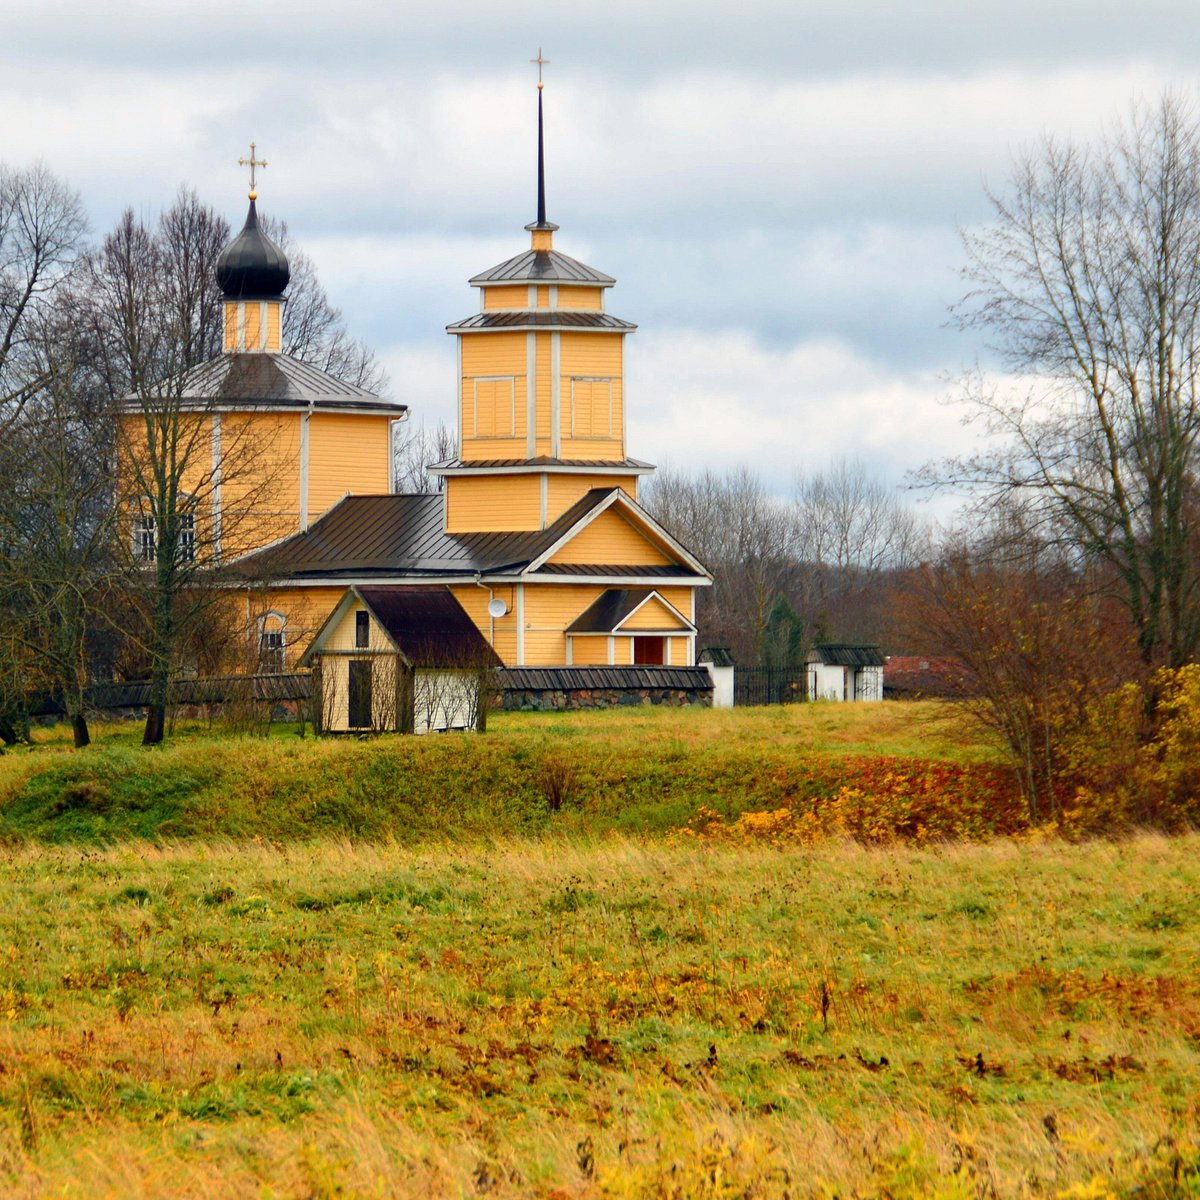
(777, 185)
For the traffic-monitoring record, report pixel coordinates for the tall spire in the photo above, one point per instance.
(541, 225)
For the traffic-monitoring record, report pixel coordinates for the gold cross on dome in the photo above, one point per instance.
(541, 62)
(252, 162)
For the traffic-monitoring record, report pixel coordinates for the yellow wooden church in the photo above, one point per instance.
(536, 530)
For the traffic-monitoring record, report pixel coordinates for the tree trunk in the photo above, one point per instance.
(79, 728)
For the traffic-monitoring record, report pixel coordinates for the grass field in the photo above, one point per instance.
(287, 967)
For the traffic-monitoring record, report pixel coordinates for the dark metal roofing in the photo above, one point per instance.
(543, 460)
(429, 626)
(719, 656)
(543, 266)
(608, 610)
(252, 267)
(539, 679)
(276, 379)
(542, 318)
(843, 654)
(387, 534)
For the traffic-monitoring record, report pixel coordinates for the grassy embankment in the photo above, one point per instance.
(639, 771)
(422, 981)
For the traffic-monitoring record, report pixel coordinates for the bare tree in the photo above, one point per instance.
(41, 233)
(423, 445)
(1088, 281)
(745, 536)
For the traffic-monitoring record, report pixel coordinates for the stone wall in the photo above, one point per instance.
(562, 699)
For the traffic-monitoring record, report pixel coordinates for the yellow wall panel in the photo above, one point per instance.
(485, 503)
(591, 353)
(507, 297)
(544, 395)
(680, 652)
(502, 630)
(590, 651)
(652, 616)
(563, 490)
(610, 539)
(252, 315)
(493, 354)
(588, 298)
(346, 453)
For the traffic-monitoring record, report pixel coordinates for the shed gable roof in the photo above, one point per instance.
(614, 607)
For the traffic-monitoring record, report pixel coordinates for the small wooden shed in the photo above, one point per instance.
(400, 659)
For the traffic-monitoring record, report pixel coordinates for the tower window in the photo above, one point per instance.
(362, 630)
(591, 406)
(272, 644)
(495, 407)
(145, 544)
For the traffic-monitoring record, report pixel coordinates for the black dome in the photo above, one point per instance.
(252, 267)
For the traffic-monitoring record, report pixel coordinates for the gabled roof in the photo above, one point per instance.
(543, 266)
(544, 462)
(277, 380)
(614, 606)
(427, 625)
(542, 318)
(845, 654)
(390, 535)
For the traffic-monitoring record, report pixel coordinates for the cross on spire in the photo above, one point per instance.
(252, 162)
(541, 62)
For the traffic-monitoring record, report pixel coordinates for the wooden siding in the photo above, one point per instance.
(549, 609)
(274, 326)
(231, 326)
(543, 395)
(475, 601)
(485, 503)
(589, 651)
(610, 538)
(563, 490)
(651, 616)
(509, 297)
(589, 299)
(593, 395)
(487, 358)
(346, 453)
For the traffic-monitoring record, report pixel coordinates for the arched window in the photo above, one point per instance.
(272, 643)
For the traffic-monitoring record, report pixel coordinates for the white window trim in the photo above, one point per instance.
(511, 380)
(592, 380)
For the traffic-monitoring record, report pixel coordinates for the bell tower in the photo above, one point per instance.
(541, 390)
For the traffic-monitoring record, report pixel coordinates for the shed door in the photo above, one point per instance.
(360, 693)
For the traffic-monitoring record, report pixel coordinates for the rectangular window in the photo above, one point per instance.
(495, 407)
(186, 525)
(270, 651)
(591, 406)
(144, 541)
(362, 630)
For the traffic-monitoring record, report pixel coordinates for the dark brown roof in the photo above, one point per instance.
(536, 679)
(429, 626)
(386, 535)
(545, 460)
(546, 318)
(608, 610)
(661, 571)
(543, 266)
(276, 379)
(844, 654)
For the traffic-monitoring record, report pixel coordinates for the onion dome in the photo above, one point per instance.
(252, 267)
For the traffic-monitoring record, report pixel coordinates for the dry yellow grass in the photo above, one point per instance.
(604, 1017)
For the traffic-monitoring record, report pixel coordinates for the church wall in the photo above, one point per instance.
(515, 296)
(589, 651)
(590, 299)
(260, 479)
(610, 539)
(592, 414)
(563, 490)
(346, 453)
(485, 503)
(544, 427)
(495, 430)
(651, 615)
(475, 601)
(549, 609)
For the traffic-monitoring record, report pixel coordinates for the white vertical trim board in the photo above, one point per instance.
(520, 624)
(304, 417)
(544, 497)
(216, 484)
(552, 294)
(533, 295)
(531, 394)
(555, 395)
(262, 325)
(612, 650)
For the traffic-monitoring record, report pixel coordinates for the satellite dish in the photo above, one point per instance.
(497, 608)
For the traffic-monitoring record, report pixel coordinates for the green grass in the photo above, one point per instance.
(644, 770)
(614, 1016)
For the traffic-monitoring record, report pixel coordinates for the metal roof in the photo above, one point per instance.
(608, 610)
(544, 460)
(538, 679)
(843, 654)
(662, 571)
(274, 379)
(386, 534)
(543, 266)
(542, 318)
(429, 626)
(252, 267)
